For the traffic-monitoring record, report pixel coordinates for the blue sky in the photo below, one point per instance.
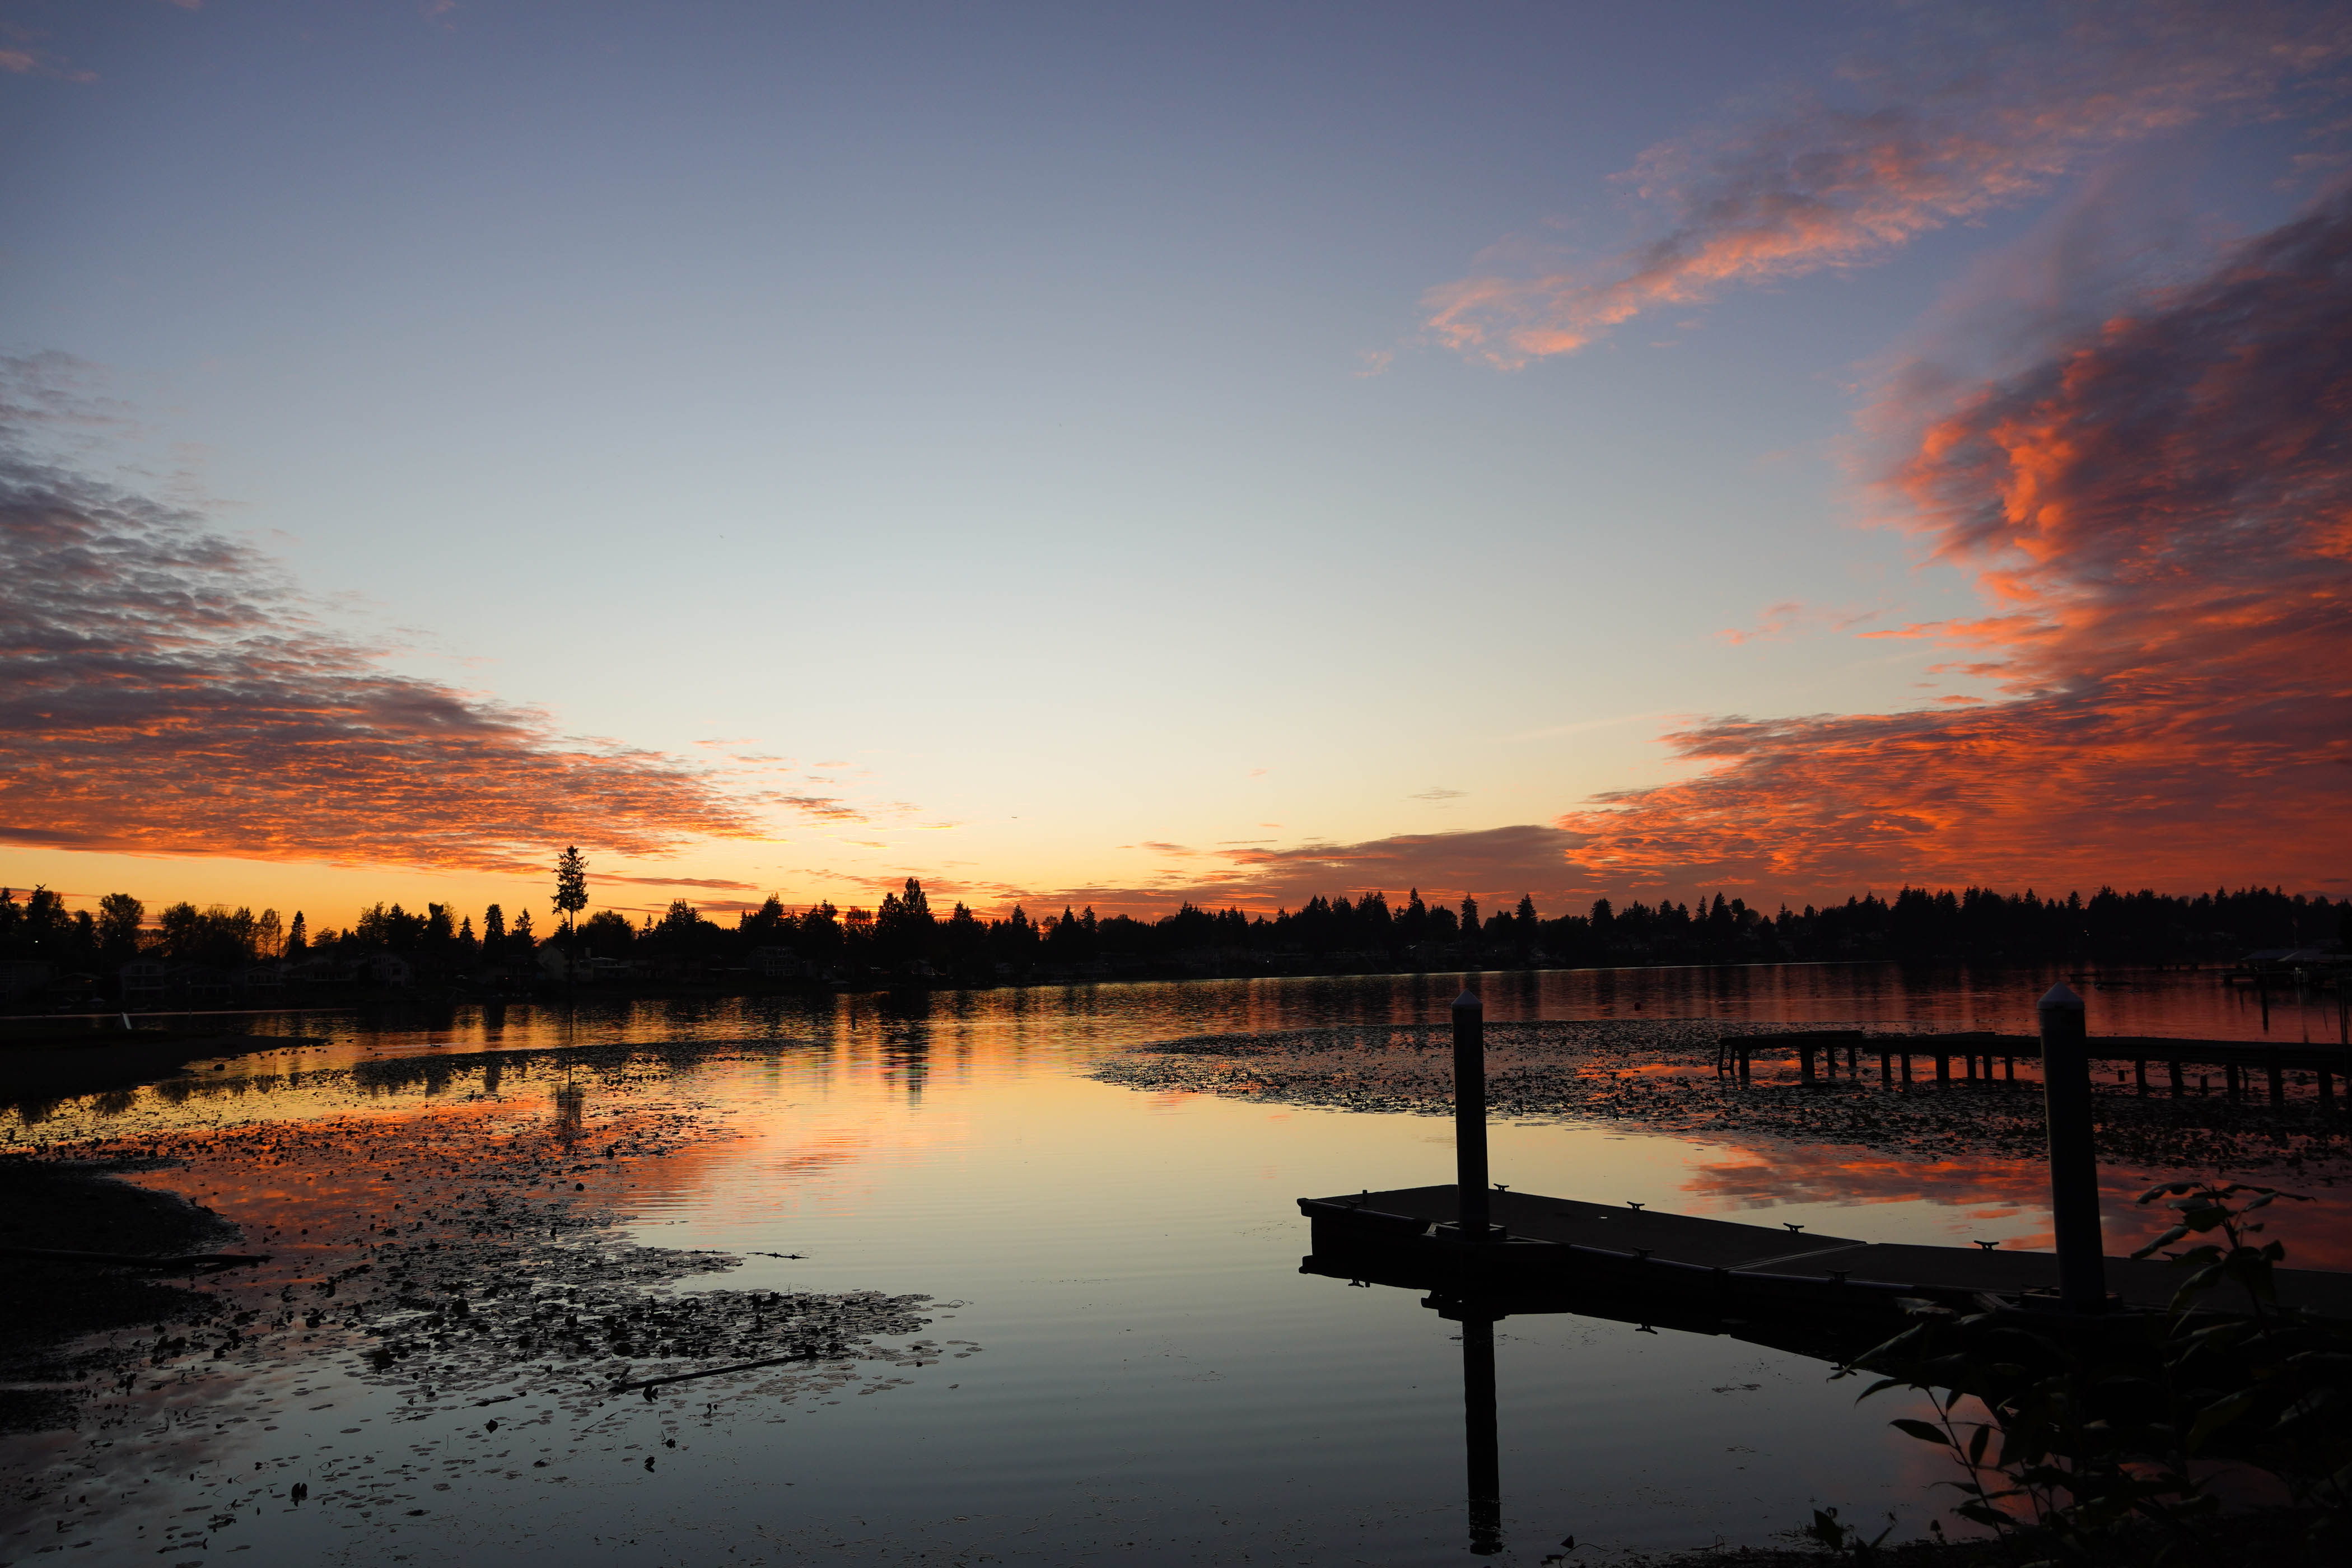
(1018, 426)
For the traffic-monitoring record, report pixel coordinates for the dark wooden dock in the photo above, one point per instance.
(1552, 1248)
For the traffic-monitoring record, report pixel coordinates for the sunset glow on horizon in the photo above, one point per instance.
(1096, 458)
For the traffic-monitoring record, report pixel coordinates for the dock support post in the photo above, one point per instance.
(1805, 1062)
(1885, 1069)
(1744, 1049)
(1470, 1116)
(1907, 1067)
(1943, 1066)
(2139, 1076)
(2278, 1079)
(2229, 1080)
(2073, 1162)
(2327, 1090)
(2173, 1067)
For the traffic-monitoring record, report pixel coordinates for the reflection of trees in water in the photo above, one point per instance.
(904, 1006)
(907, 1056)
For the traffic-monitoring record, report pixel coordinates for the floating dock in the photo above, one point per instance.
(1472, 1240)
(1557, 1248)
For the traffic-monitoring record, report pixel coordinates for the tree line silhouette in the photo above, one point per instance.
(905, 937)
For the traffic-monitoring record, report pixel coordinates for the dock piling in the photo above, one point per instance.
(2074, 1167)
(1470, 1116)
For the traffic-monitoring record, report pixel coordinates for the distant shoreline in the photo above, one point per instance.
(38, 1072)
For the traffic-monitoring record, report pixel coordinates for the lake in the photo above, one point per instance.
(1119, 1357)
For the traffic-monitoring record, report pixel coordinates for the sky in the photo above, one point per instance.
(1111, 455)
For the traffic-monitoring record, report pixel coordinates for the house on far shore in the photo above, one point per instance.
(23, 976)
(199, 982)
(144, 980)
(390, 969)
(780, 964)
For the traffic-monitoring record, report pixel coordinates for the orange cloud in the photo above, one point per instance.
(160, 692)
(1817, 187)
(2163, 513)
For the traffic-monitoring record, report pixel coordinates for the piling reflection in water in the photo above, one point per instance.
(570, 1110)
(1481, 1436)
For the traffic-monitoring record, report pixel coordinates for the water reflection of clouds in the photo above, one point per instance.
(1988, 1190)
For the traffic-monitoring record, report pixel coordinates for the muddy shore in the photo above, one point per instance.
(49, 1308)
(44, 1071)
(466, 1265)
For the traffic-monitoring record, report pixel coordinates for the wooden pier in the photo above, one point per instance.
(1821, 1055)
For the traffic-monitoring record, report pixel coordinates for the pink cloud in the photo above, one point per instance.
(1818, 185)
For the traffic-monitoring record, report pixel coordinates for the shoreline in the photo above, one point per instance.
(44, 1071)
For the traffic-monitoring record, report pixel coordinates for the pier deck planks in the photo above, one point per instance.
(1387, 1222)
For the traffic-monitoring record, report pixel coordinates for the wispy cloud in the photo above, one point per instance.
(163, 691)
(1788, 617)
(2160, 513)
(1812, 185)
(1437, 793)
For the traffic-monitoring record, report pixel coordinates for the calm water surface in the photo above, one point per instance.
(1158, 1382)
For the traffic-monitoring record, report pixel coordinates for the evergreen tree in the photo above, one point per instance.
(571, 886)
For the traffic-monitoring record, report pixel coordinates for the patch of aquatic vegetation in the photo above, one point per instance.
(461, 1265)
(1662, 1074)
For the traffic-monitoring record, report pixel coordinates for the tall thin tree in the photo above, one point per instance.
(571, 894)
